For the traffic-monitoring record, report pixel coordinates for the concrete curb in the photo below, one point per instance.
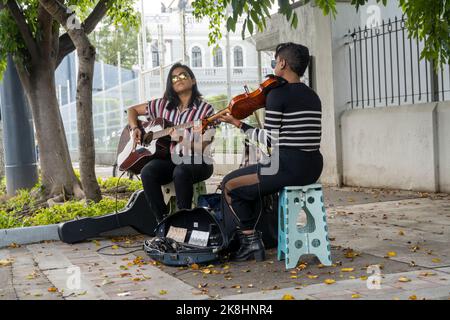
(28, 235)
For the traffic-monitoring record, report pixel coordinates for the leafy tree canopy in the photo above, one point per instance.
(427, 20)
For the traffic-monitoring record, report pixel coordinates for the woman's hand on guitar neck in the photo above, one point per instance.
(137, 135)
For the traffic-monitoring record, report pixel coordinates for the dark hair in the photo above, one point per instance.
(296, 55)
(170, 93)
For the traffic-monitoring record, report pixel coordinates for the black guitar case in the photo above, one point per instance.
(136, 214)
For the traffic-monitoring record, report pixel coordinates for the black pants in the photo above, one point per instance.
(159, 172)
(242, 189)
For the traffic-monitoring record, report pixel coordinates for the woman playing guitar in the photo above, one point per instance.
(181, 103)
(292, 127)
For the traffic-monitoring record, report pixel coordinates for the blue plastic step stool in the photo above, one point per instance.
(295, 241)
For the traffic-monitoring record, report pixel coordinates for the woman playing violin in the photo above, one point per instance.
(292, 127)
(181, 103)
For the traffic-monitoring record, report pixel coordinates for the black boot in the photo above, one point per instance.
(251, 247)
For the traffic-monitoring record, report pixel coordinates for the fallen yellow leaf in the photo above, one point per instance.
(311, 276)
(294, 277)
(288, 297)
(162, 292)
(413, 297)
(195, 266)
(329, 281)
(404, 279)
(392, 254)
(207, 271)
(436, 260)
(52, 289)
(115, 247)
(6, 262)
(356, 296)
(363, 278)
(347, 269)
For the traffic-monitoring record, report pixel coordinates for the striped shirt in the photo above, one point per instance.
(158, 108)
(293, 119)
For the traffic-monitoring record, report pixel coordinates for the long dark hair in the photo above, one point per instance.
(170, 93)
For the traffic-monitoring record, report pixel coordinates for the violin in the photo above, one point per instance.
(243, 105)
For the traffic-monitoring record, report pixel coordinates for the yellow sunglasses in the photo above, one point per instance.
(179, 77)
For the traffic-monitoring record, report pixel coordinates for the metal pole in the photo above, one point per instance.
(105, 122)
(228, 60)
(121, 107)
(183, 35)
(20, 162)
(161, 57)
(434, 81)
(144, 36)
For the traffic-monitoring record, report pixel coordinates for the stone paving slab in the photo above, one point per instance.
(101, 276)
(377, 228)
(348, 289)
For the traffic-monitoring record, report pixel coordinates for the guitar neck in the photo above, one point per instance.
(166, 132)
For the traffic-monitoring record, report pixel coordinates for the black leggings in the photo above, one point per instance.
(242, 188)
(159, 172)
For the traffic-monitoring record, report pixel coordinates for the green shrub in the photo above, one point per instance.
(73, 209)
(8, 220)
(3, 186)
(110, 184)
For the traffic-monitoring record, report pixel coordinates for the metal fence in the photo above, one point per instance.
(385, 68)
(109, 106)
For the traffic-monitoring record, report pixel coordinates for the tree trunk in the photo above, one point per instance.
(86, 55)
(86, 58)
(57, 172)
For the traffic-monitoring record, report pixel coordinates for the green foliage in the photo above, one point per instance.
(430, 21)
(23, 210)
(108, 40)
(110, 184)
(121, 14)
(3, 186)
(426, 19)
(73, 209)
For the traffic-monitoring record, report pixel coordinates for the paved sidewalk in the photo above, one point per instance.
(405, 233)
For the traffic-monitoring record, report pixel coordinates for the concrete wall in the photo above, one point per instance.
(405, 147)
(443, 134)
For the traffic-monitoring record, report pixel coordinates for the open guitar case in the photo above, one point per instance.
(183, 253)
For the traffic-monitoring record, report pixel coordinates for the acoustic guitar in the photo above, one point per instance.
(155, 143)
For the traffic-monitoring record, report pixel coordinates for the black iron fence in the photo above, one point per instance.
(385, 68)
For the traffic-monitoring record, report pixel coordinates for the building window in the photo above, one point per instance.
(238, 57)
(155, 55)
(217, 57)
(196, 57)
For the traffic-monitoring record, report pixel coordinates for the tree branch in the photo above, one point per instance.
(65, 43)
(45, 21)
(18, 16)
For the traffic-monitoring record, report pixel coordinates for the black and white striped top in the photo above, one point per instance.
(293, 119)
